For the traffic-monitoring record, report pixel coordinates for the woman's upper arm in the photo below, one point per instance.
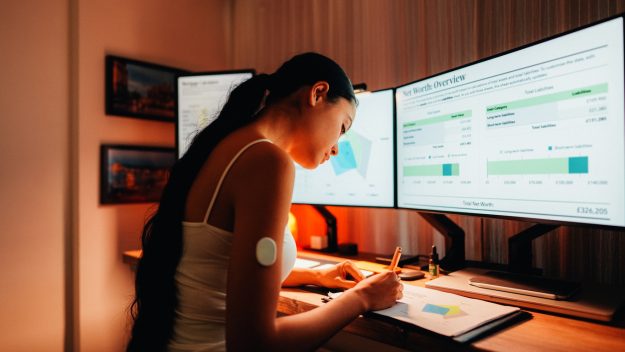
(262, 187)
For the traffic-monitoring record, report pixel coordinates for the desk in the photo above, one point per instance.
(544, 332)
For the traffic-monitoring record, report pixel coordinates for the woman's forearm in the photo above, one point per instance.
(300, 277)
(309, 330)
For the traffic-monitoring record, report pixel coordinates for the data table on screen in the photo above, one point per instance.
(537, 133)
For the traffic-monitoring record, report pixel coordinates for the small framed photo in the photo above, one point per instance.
(140, 89)
(134, 174)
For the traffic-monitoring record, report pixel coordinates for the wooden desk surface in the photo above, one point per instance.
(544, 332)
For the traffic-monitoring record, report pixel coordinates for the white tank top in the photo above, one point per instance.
(201, 277)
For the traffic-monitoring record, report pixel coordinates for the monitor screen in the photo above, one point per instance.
(362, 172)
(535, 133)
(200, 98)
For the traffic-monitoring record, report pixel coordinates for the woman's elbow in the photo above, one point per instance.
(261, 341)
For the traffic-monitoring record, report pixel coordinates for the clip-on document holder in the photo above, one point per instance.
(459, 318)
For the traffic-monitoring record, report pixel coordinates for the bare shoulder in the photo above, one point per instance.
(264, 171)
(266, 160)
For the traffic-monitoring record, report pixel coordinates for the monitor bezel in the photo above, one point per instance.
(394, 206)
(195, 74)
(497, 216)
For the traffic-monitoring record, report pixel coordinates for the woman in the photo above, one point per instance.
(216, 251)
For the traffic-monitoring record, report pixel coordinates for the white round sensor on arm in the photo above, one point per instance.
(266, 251)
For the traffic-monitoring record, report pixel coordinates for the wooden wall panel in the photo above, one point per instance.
(388, 43)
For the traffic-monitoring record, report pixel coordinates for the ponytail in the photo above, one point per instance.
(241, 108)
(153, 309)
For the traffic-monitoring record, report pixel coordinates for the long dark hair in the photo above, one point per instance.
(153, 308)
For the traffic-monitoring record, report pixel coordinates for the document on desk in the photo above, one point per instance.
(305, 263)
(365, 273)
(444, 313)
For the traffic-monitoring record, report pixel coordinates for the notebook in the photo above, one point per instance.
(463, 319)
(444, 313)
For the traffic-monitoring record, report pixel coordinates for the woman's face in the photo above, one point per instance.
(320, 127)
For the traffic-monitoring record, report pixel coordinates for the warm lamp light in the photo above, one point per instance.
(360, 87)
(292, 224)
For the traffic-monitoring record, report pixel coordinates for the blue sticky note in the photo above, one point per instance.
(432, 308)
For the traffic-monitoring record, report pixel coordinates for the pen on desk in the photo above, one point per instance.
(395, 259)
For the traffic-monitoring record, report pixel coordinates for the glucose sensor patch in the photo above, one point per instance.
(266, 251)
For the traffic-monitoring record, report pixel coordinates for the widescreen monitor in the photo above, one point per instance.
(200, 98)
(536, 133)
(362, 174)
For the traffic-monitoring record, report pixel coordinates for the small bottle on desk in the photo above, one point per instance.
(433, 264)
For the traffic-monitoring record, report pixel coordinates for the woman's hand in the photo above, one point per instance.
(379, 291)
(337, 276)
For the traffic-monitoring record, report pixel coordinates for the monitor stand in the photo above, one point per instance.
(454, 243)
(521, 277)
(520, 252)
(518, 277)
(454, 240)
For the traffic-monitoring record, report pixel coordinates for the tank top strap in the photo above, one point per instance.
(225, 172)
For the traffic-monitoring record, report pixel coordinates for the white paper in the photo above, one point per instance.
(305, 263)
(444, 313)
(366, 273)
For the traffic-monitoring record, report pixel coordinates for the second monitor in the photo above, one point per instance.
(362, 174)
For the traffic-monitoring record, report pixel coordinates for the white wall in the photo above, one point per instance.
(34, 125)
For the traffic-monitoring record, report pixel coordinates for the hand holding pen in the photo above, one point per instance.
(395, 260)
(381, 291)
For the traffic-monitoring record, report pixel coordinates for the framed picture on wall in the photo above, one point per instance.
(134, 174)
(140, 89)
